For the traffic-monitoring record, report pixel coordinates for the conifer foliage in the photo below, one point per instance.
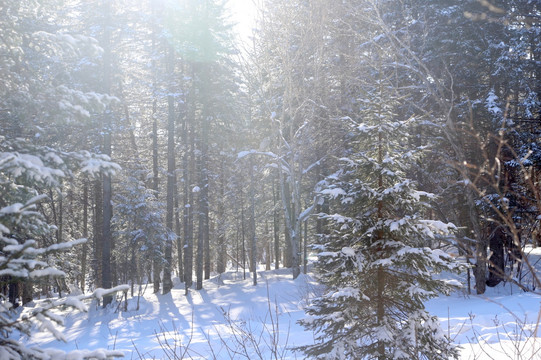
(24, 170)
(376, 262)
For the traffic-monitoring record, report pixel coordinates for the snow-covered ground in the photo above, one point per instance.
(231, 318)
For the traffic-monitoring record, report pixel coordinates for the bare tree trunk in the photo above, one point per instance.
(220, 226)
(178, 237)
(108, 122)
(171, 181)
(200, 230)
(98, 233)
(286, 204)
(276, 228)
(268, 252)
(253, 235)
(292, 223)
(305, 248)
(60, 224)
(243, 235)
(156, 247)
(188, 199)
(85, 235)
(156, 251)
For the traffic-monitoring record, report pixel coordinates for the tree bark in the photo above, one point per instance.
(107, 129)
(253, 262)
(156, 250)
(220, 226)
(188, 195)
(171, 181)
(178, 237)
(85, 235)
(98, 233)
(276, 227)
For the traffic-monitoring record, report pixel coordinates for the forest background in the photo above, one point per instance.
(143, 127)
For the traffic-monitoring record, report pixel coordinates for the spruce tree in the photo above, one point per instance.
(377, 263)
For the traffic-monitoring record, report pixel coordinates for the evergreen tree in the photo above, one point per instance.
(139, 228)
(25, 169)
(377, 264)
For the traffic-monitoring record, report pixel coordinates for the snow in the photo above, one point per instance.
(347, 291)
(94, 164)
(348, 251)
(333, 193)
(4, 229)
(227, 305)
(29, 166)
(491, 103)
(12, 209)
(100, 293)
(40, 273)
(208, 321)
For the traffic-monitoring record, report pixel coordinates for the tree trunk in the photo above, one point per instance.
(156, 250)
(220, 226)
(84, 253)
(288, 226)
(178, 237)
(171, 182)
(305, 248)
(253, 236)
(107, 129)
(268, 252)
(276, 228)
(188, 198)
(200, 229)
(156, 246)
(496, 239)
(98, 234)
(243, 233)
(291, 205)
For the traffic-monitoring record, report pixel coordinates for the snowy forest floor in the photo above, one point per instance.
(231, 318)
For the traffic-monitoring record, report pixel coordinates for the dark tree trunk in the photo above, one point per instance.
(188, 160)
(98, 233)
(13, 292)
(288, 255)
(84, 253)
(178, 237)
(107, 129)
(253, 262)
(156, 246)
(171, 183)
(200, 230)
(220, 226)
(276, 227)
(268, 252)
(156, 250)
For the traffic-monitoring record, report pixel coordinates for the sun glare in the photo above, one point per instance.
(243, 14)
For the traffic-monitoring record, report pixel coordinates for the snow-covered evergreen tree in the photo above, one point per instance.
(38, 109)
(139, 228)
(377, 263)
(24, 170)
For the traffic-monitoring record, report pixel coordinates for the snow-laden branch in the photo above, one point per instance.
(284, 165)
(313, 165)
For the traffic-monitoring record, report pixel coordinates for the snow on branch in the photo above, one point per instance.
(245, 153)
(276, 158)
(30, 167)
(94, 164)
